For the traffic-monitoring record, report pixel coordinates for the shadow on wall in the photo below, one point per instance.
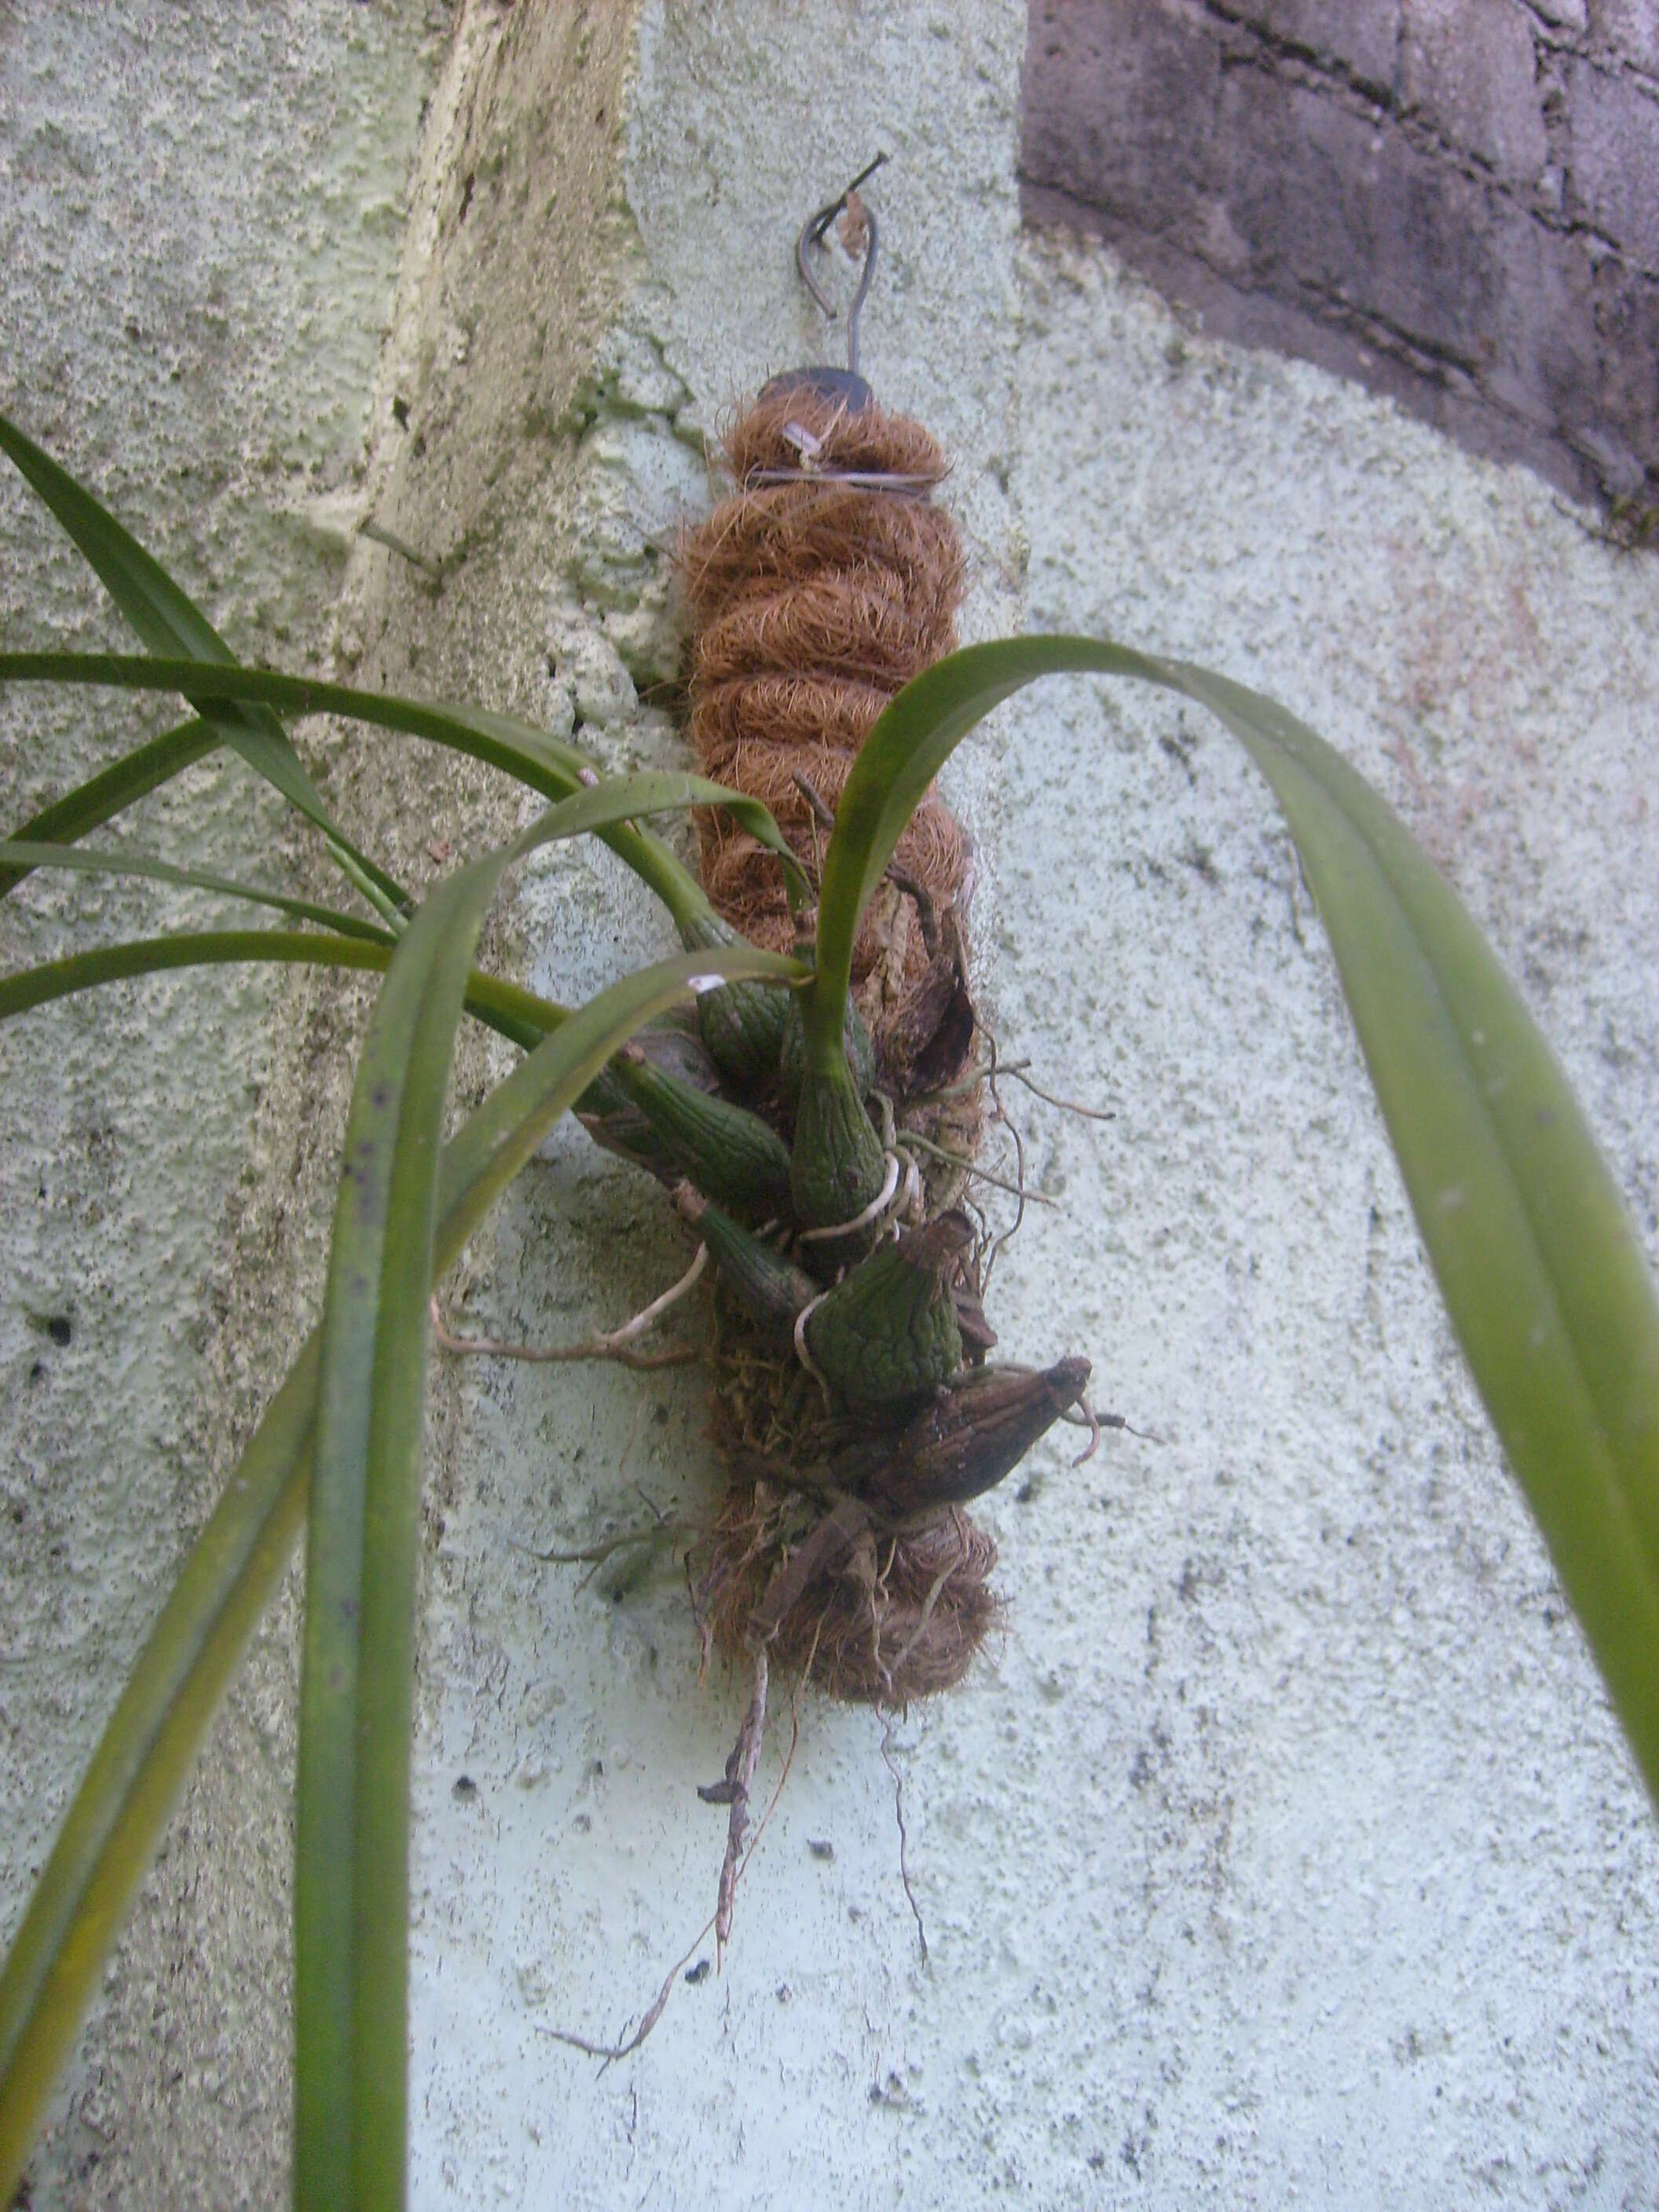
(1452, 204)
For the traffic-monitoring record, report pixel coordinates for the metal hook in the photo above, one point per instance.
(812, 231)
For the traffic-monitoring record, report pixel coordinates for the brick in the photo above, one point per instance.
(1625, 306)
(1358, 219)
(1119, 108)
(1630, 29)
(1565, 14)
(1362, 40)
(1613, 174)
(1470, 71)
(1241, 176)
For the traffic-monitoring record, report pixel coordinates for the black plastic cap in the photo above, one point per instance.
(841, 384)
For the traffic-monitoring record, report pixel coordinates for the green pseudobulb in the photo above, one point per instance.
(887, 1334)
(838, 1166)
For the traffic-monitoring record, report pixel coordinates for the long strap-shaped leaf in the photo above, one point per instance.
(543, 762)
(168, 621)
(115, 1821)
(351, 1946)
(25, 855)
(92, 804)
(599, 810)
(517, 1014)
(350, 1903)
(1541, 1273)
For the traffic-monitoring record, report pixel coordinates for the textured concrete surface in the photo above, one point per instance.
(1285, 1851)
(201, 215)
(1449, 199)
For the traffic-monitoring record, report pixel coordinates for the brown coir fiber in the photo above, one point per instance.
(821, 586)
(879, 1617)
(859, 622)
(931, 848)
(781, 533)
(782, 711)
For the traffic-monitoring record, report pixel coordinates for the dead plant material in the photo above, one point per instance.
(815, 592)
(733, 1789)
(617, 1345)
(871, 1615)
(904, 1840)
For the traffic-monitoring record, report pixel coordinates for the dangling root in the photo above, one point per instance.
(733, 1790)
(594, 1556)
(610, 2052)
(975, 1173)
(610, 1343)
(904, 1839)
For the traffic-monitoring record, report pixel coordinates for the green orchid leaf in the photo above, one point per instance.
(104, 795)
(115, 1821)
(153, 956)
(555, 770)
(592, 810)
(351, 1911)
(1543, 1278)
(170, 624)
(25, 855)
(514, 1014)
(166, 621)
(350, 1901)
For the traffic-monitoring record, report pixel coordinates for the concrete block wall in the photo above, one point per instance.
(1451, 199)
(1284, 1849)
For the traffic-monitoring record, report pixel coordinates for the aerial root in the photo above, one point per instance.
(733, 1790)
(731, 1875)
(610, 1343)
(904, 1839)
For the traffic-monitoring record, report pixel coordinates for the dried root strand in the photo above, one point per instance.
(609, 2053)
(903, 1841)
(608, 1344)
(733, 1790)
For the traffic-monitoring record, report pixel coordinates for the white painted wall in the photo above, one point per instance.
(1285, 1850)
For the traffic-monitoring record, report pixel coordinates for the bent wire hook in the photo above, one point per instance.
(812, 234)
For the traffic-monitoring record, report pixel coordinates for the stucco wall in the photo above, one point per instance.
(1284, 1849)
